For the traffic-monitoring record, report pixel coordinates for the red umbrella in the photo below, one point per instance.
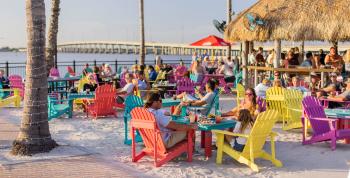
(211, 40)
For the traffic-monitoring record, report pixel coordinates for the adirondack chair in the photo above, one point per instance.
(292, 119)
(240, 93)
(145, 122)
(208, 107)
(324, 129)
(275, 100)
(57, 108)
(54, 72)
(103, 104)
(131, 102)
(15, 99)
(16, 82)
(80, 89)
(185, 85)
(255, 142)
(194, 78)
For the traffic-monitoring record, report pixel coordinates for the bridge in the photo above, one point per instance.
(121, 47)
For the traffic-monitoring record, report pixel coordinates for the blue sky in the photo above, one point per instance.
(173, 21)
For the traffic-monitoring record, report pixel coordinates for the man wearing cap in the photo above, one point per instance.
(345, 96)
(332, 87)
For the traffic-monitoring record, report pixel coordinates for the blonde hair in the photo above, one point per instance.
(347, 56)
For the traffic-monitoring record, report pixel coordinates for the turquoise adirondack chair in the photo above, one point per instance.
(209, 107)
(57, 108)
(131, 102)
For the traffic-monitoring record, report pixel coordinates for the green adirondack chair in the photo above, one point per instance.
(57, 108)
(131, 102)
(208, 107)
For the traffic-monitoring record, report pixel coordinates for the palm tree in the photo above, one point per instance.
(51, 50)
(142, 34)
(34, 136)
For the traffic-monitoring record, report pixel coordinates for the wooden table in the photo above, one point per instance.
(73, 96)
(61, 85)
(206, 134)
(344, 118)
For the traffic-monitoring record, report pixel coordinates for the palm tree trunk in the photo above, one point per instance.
(51, 50)
(229, 13)
(34, 136)
(142, 34)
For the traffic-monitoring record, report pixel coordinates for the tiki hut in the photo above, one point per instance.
(294, 20)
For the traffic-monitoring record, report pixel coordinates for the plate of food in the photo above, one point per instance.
(205, 121)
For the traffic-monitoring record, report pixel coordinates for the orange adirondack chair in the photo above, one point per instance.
(145, 122)
(103, 103)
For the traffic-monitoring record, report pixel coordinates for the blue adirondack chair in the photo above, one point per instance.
(131, 102)
(208, 107)
(56, 108)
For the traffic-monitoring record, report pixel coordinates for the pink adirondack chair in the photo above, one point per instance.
(324, 129)
(185, 85)
(103, 103)
(54, 72)
(145, 122)
(16, 82)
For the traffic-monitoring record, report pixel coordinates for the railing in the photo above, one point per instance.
(255, 71)
(20, 68)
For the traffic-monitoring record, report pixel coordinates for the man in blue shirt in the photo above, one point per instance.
(308, 61)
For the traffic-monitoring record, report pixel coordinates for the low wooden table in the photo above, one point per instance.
(73, 96)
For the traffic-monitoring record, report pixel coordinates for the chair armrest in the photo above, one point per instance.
(293, 109)
(230, 133)
(325, 119)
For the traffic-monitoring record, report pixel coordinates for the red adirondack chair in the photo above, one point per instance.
(185, 85)
(145, 122)
(16, 82)
(324, 129)
(103, 103)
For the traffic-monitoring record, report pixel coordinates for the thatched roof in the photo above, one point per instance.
(294, 20)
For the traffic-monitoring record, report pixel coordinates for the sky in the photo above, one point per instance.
(168, 21)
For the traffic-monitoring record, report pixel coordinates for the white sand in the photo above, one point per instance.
(105, 136)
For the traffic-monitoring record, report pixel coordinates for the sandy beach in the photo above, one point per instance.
(105, 137)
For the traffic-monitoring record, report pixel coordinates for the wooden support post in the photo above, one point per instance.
(244, 63)
(276, 62)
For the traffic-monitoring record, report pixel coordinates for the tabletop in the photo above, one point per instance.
(224, 124)
(338, 113)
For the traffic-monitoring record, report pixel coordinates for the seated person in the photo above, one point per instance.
(248, 103)
(152, 73)
(180, 69)
(165, 124)
(345, 96)
(128, 89)
(314, 85)
(202, 101)
(4, 82)
(331, 88)
(262, 87)
(295, 83)
(308, 61)
(87, 70)
(97, 75)
(91, 84)
(142, 83)
(244, 124)
(107, 72)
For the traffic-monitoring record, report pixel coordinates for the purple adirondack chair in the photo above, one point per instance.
(185, 85)
(324, 128)
(16, 82)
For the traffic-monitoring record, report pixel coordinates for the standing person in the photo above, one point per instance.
(271, 57)
(334, 60)
(5, 83)
(159, 63)
(227, 70)
(322, 57)
(259, 58)
(194, 57)
(252, 58)
(198, 70)
(165, 124)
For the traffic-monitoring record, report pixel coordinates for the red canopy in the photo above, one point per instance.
(211, 40)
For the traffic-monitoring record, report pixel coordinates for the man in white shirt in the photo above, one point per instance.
(128, 89)
(165, 124)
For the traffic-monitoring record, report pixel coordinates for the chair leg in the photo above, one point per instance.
(220, 146)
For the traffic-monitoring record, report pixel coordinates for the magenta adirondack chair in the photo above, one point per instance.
(145, 122)
(185, 85)
(324, 129)
(16, 82)
(54, 72)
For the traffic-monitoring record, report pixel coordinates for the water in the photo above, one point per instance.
(81, 59)
(12, 57)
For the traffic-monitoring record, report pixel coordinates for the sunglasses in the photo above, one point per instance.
(249, 94)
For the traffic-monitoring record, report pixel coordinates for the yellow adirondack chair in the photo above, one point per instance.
(15, 99)
(240, 93)
(275, 100)
(255, 142)
(292, 119)
(80, 88)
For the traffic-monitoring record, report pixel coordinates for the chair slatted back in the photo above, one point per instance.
(261, 130)
(313, 109)
(185, 85)
(104, 99)
(294, 101)
(145, 122)
(240, 93)
(275, 100)
(16, 82)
